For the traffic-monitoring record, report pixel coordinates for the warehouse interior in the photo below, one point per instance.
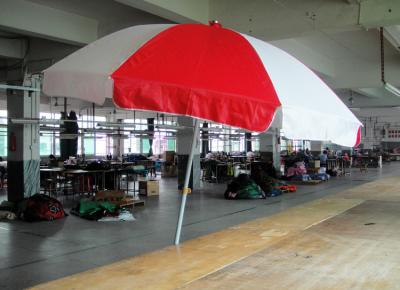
(331, 234)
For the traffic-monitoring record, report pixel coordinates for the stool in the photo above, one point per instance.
(50, 186)
(364, 168)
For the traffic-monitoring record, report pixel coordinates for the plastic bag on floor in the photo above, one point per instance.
(7, 215)
(123, 216)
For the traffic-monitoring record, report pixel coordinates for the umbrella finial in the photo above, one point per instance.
(215, 23)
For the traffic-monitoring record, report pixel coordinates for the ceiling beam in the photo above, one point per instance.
(377, 13)
(42, 21)
(352, 2)
(378, 92)
(392, 34)
(362, 101)
(180, 11)
(12, 48)
(312, 58)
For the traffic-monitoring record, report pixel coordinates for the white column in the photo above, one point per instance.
(23, 156)
(316, 147)
(184, 139)
(270, 148)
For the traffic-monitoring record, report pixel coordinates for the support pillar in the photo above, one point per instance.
(247, 137)
(150, 128)
(184, 138)
(23, 139)
(205, 141)
(228, 143)
(316, 147)
(270, 148)
(118, 143)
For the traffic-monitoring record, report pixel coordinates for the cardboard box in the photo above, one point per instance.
(113, 196)
(312, 170)
(129, 202)
(149, 187)
(169, 156)
(118, 198)
(168, 170)
(315, 164)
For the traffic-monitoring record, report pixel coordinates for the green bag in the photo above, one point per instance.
(91, 208)
(251, 191)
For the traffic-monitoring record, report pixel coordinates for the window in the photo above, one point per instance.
(255, 145)
(171, 145)
(3, 133)
(88, 143)
(132, 143)
(49, 139)
(294, 145)
(138, 142)
(46, 142)
(94, 144)
(145, 146)
(217, 145)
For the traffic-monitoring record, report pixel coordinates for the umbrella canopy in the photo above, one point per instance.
(207, 72)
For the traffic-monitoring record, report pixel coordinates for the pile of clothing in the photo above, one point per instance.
(258, 185)
(38, 207)
(243, 187)
(308, 177)
(7, 211)
(320, 176)
(299, 168)
(135, 157)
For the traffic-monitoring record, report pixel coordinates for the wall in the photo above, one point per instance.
(376, 122)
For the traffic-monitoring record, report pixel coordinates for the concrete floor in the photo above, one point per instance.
(32, 253)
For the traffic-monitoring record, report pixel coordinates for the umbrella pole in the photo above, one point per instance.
(186, 189)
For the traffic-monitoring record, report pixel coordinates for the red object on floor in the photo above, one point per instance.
(289, 188)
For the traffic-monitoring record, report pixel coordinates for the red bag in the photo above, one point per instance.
(43, 207)
(287, 188)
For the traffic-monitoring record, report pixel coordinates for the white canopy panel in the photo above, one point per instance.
(310, 109)
(85, 73)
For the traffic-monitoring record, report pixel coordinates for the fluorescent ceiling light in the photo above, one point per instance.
(392, 89)
(24, 121)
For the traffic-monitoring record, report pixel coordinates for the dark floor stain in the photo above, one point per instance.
(369, 224)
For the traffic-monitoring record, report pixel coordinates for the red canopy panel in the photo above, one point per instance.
(216, 76)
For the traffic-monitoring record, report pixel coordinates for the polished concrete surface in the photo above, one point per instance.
(33, 253)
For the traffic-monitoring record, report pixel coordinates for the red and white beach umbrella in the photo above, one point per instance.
(206, 72)
(209, 73)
